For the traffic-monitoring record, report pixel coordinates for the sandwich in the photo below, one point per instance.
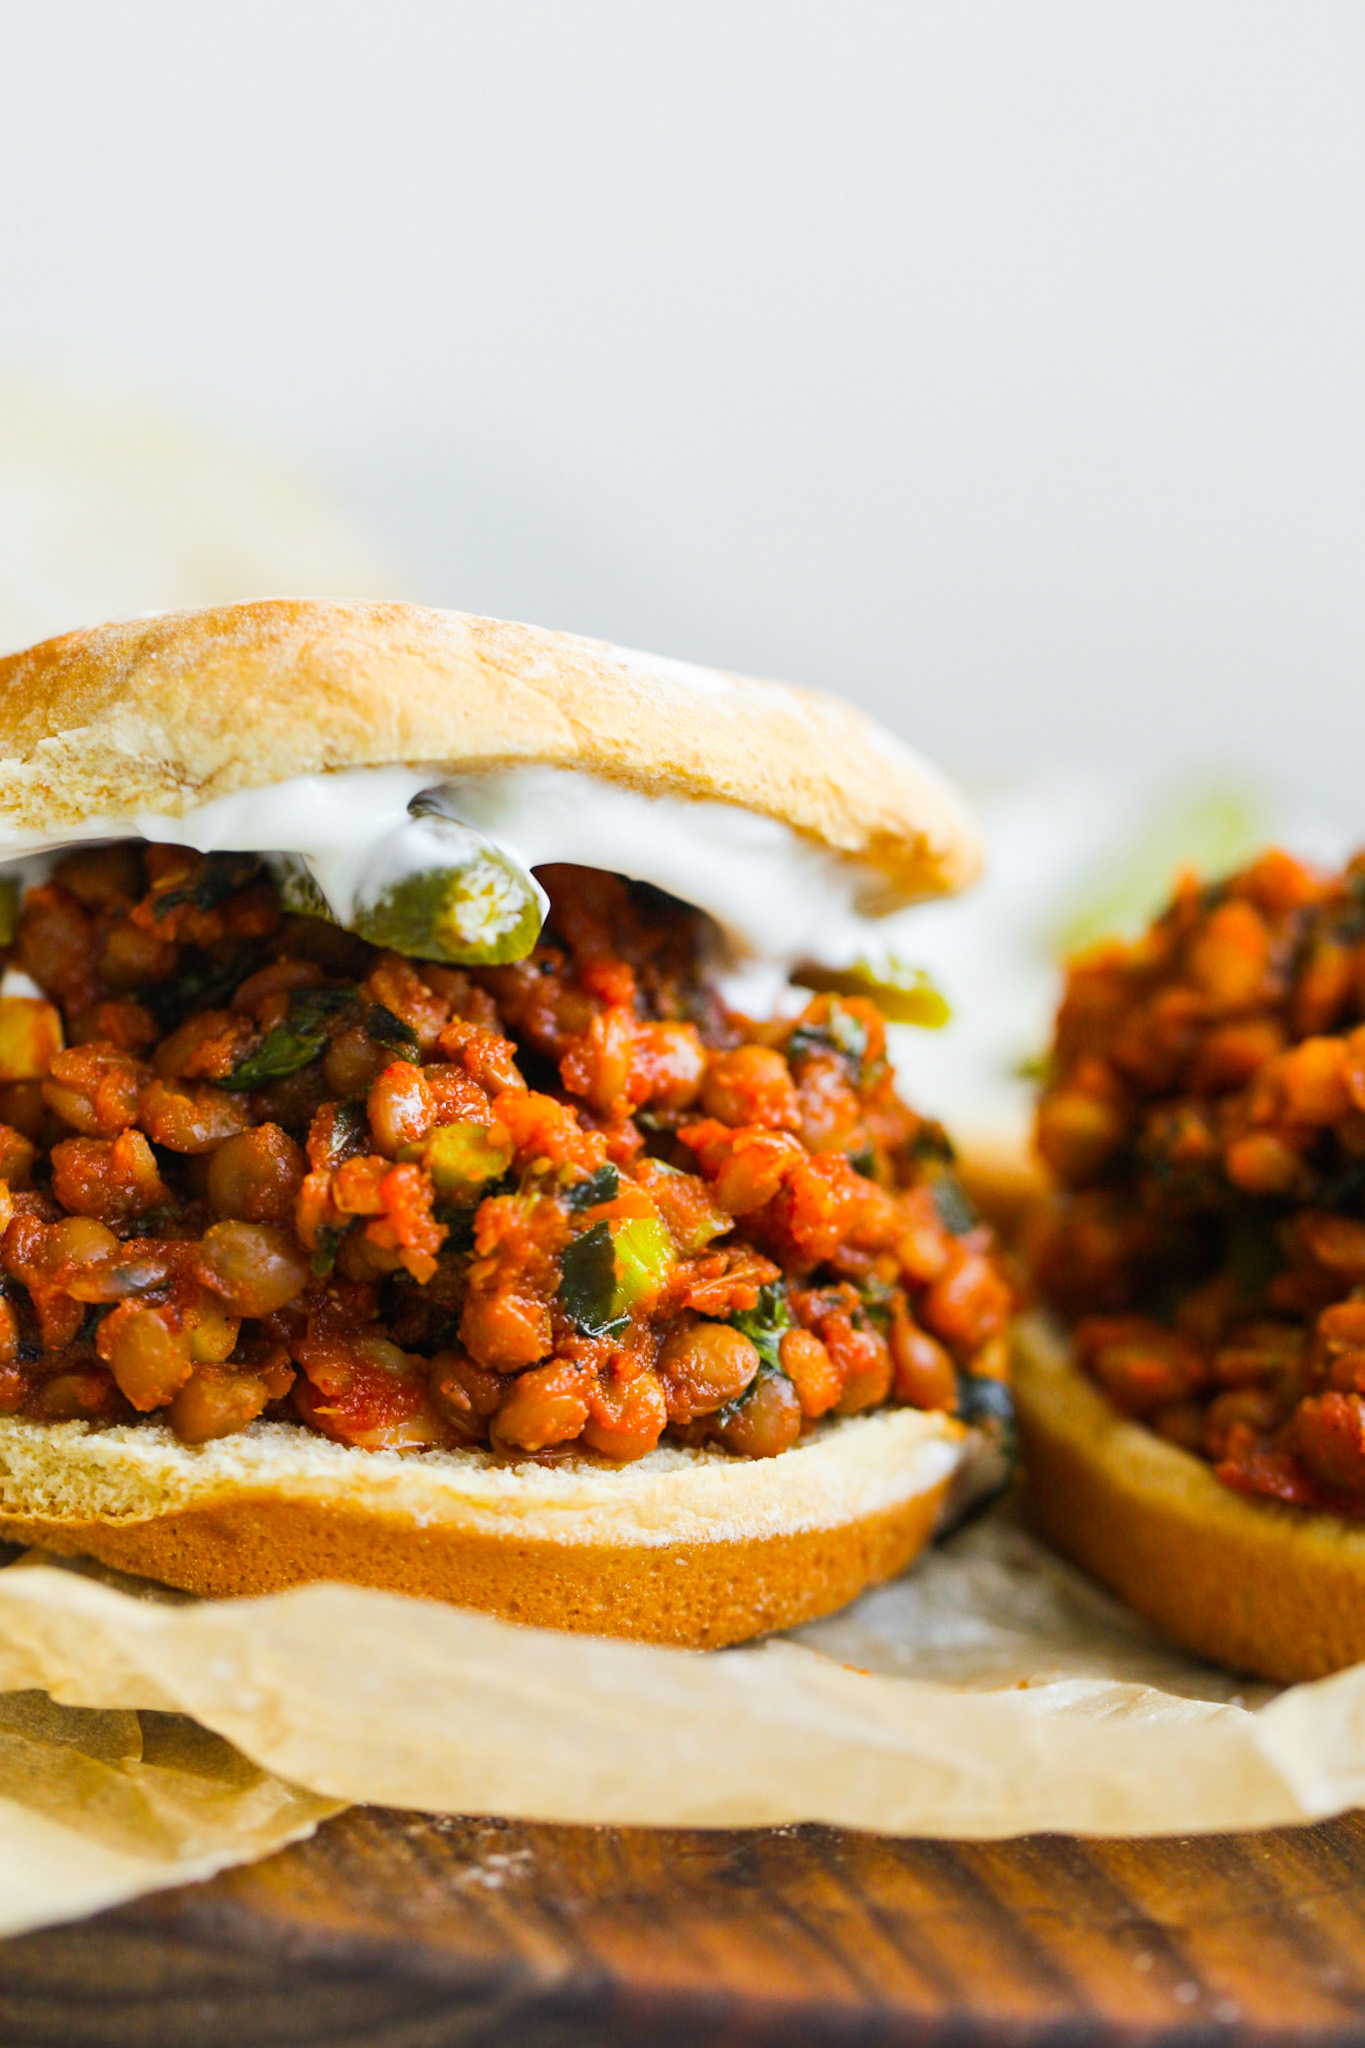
(447, 1137)
(1193, 1424)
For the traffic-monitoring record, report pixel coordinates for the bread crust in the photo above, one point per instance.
(692, 1548)
(166, 713)
(1253, 1584)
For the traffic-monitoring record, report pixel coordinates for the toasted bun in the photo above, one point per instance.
(165, 713)
(695, 1548)
(1249, 1583)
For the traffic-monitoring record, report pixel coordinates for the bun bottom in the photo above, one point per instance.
(694, 1549)
(1253, 1584)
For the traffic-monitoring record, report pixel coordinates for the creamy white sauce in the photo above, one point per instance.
(777, 899)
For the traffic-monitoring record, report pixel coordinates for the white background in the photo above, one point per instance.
(1001, 365)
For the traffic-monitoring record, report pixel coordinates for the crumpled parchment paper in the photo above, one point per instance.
(992, 1691)
(97, 1806)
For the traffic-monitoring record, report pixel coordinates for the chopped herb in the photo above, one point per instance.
(350, 1130)
(611, 1268)
(205, 986)
(459, 1223)
(931, 1141)
(864, 1161)
(840, 1033)
(587, 1286)
(764, 1323)
(9, 911)
(324, 1002)
(459, 1216)
(303, 1038)
(602, 1186)
(1343, 1190)
(876, 1303)
(282, 1051)
(987, 1404)
(952, 1205)
(325, 1255)
(221, 876)
(386, 1029)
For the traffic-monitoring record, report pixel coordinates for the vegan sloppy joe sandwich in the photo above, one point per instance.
(447, 1140)
(1198, 1440)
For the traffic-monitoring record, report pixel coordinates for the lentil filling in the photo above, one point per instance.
(251, 1165)
(1205, 1119)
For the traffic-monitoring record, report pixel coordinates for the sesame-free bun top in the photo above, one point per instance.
(164, 713)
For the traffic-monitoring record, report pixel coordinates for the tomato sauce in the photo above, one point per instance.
(1204, 1118)
(251, 1166)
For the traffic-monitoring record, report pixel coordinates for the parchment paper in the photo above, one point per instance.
(991, 1692)
(97, 1807)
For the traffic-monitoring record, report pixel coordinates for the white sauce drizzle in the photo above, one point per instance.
(778, 899)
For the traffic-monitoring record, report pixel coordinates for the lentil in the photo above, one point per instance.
(1205, 1122)
(251, 1165)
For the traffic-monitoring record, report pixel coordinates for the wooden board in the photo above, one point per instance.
(397, 1931)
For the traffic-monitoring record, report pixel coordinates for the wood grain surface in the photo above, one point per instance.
(392, 1930)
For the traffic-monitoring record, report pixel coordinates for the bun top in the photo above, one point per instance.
(164, 713)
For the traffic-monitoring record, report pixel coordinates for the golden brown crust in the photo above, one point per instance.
(164, 713)
(695, 1549)
(694, 1596)
(1249, 1583)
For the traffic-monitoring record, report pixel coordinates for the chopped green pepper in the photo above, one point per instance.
(602, 1186)
(461, 1158)
(953, 1205)
(644, 1254)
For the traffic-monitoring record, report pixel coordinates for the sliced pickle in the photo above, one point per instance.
(460, 900)
(903, 994)
(298, 891)
(484, 913)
